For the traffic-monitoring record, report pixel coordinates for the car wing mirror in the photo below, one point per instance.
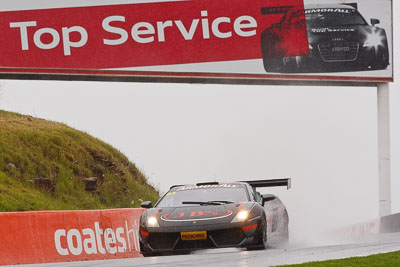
(146, 204)
(267, 197)
(375, 21)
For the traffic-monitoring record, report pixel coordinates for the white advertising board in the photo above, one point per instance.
(224, 41)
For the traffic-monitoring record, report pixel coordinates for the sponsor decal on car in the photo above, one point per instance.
(196, 215)
(323, 30)
(326, 10)
(207, 186)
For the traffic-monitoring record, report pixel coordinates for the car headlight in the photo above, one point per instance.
(152, 222)
(374, 39)
(241, 216)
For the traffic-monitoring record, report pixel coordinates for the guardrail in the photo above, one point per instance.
(386, 224)
(61, 236)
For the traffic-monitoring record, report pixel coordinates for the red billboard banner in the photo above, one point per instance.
(61, 236)
(140, 34)
(181, 38)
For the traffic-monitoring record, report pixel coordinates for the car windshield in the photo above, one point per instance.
(199, 195)
(324, 17)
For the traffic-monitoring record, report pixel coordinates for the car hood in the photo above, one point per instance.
(201, 215)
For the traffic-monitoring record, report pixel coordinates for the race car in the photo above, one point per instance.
(214, 215)
(339, 39)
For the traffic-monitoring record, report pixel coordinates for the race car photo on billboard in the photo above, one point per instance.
(214, 215)
(339, 40)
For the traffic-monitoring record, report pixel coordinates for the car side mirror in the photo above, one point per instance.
(146, 204)
(375, 21)
(267, 197)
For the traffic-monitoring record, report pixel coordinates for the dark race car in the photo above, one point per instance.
(339, 38)
(214, 215)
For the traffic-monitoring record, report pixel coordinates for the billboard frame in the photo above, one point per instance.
(187, 77)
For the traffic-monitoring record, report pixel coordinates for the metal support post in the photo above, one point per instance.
(384, 149)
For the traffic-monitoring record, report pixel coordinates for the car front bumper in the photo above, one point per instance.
(322, 59)
(165, 240)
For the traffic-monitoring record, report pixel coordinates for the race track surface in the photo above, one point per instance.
(242, 258)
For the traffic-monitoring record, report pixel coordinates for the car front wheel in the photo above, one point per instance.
(261, 239)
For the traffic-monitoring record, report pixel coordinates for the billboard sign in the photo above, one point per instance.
(199, 40)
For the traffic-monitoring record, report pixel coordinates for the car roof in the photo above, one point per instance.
(208, 185)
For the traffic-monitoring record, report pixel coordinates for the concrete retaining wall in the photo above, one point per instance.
(390, 224)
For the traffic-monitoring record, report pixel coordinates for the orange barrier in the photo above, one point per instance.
(60, 236)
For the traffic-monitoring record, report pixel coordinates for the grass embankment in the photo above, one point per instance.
(378, 260)
(31, 148)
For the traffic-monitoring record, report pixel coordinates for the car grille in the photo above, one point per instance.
(195, 244)
(163, 240)
(216, 238)
(227, 237)
(339, 51)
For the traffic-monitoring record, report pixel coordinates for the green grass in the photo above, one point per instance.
(40, 148)
(378, 260)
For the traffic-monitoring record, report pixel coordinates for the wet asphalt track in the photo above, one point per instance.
(272, 256)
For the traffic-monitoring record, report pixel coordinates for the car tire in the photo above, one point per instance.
(278, 65)
(285, 237)
(381, 57)
(264, 238)
(261, 239)
(285, 231)
(381, 62)
(273, 65)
